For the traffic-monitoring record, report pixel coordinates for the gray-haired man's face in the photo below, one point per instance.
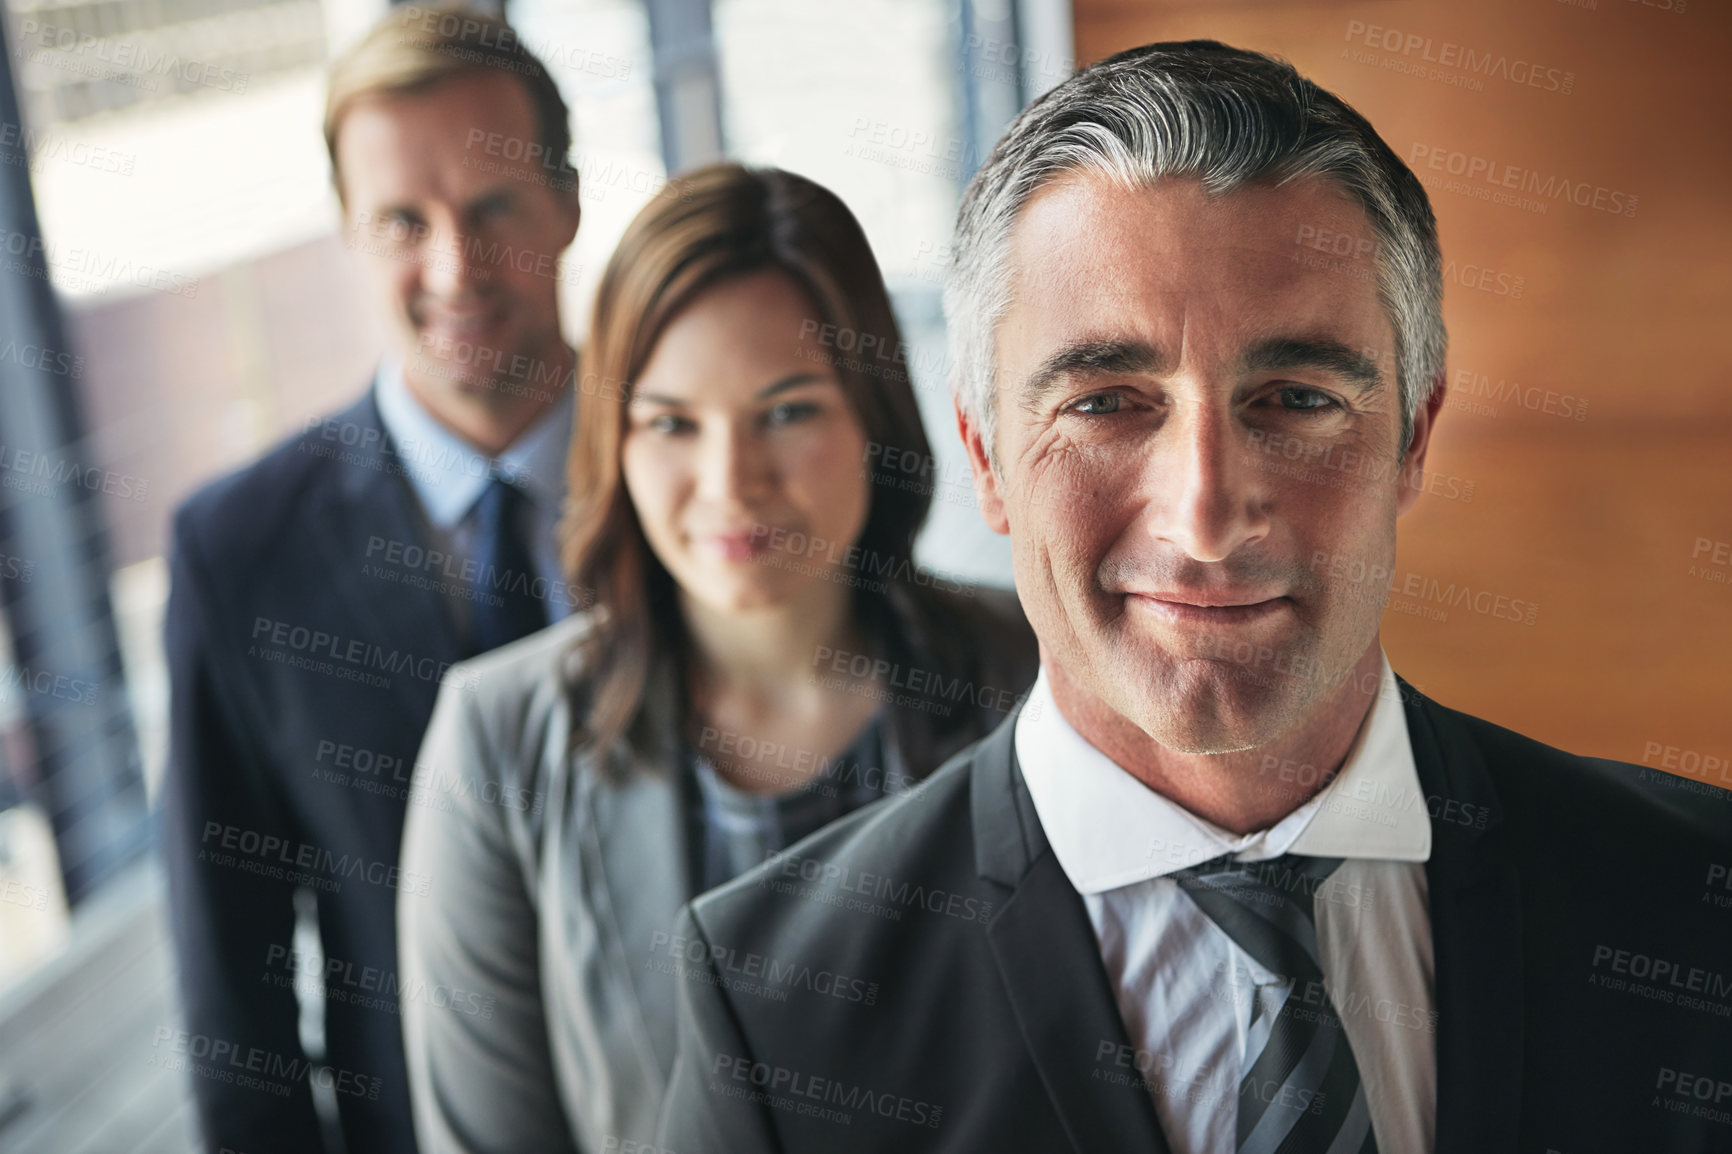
(1197, 434)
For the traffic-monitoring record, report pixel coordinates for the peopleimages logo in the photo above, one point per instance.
(1446, 54)
(778, 1081)
(754, 757)
(760, 973)
(59, 470)
(842, 879)
(86, 268)
(1486, 178)
(410, 563)
(133, 55)
(59, 686)
(370, 987)
(252, 1067)
(38, 357)
(921, 685)
(276, 857)
(351, 657)
(1664, 972)
(34, 148)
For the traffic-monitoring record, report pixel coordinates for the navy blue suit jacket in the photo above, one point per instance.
(304, 665)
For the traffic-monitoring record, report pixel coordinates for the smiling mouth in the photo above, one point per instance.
(1176, 610)
(734, 546)
(461, 326)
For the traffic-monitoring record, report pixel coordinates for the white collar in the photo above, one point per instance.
(448, 473)
(1109, 830)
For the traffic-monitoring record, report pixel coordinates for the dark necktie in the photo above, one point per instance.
(1301, 1093)
(504, 606)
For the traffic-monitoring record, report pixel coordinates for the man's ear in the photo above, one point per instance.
(1413, 464)
(572, 209)
(988, 492)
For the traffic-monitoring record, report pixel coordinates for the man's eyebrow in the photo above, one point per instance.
(404, 209)
(468, 208)
(1329, 356)
(486, 196)
(1108, 357)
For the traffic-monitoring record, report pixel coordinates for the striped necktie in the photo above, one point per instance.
(1300, 1094)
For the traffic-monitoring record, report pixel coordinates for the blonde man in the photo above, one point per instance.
(320, 593)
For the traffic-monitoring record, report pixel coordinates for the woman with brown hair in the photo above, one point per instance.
(759, 656)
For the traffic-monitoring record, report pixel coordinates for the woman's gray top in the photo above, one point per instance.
(537, 970)
(738, 830)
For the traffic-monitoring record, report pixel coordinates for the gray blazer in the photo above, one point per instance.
(536, 978)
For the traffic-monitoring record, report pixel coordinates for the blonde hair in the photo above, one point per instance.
(413, 48)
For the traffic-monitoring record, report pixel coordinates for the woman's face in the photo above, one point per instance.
(743, 457)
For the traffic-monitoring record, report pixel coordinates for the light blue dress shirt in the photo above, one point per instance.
(448, 476)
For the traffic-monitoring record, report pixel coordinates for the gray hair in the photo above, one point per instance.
(1227, 117)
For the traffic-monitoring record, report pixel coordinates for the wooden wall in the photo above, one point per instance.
(1593, 390)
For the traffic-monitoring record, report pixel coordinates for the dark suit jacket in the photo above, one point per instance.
(302, 677)
(994, 1027)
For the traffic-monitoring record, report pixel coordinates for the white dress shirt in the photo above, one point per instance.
(448, 476)
(1186, 991)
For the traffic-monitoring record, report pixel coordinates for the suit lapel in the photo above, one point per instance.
(1047, 955)
(372, 502)
(1042, 941)
(639, 820)
(1475, 902)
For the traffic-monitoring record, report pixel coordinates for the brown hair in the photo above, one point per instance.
(413, 48)
(718, 223)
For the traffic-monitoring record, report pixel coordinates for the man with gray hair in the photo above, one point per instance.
(1224, 884)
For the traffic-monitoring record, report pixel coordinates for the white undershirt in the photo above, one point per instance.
(1186, 991)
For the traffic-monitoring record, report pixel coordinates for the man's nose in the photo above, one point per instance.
(1208, 498)
(451, 263)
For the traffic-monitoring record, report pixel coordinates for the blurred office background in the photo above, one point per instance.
(177, 296)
